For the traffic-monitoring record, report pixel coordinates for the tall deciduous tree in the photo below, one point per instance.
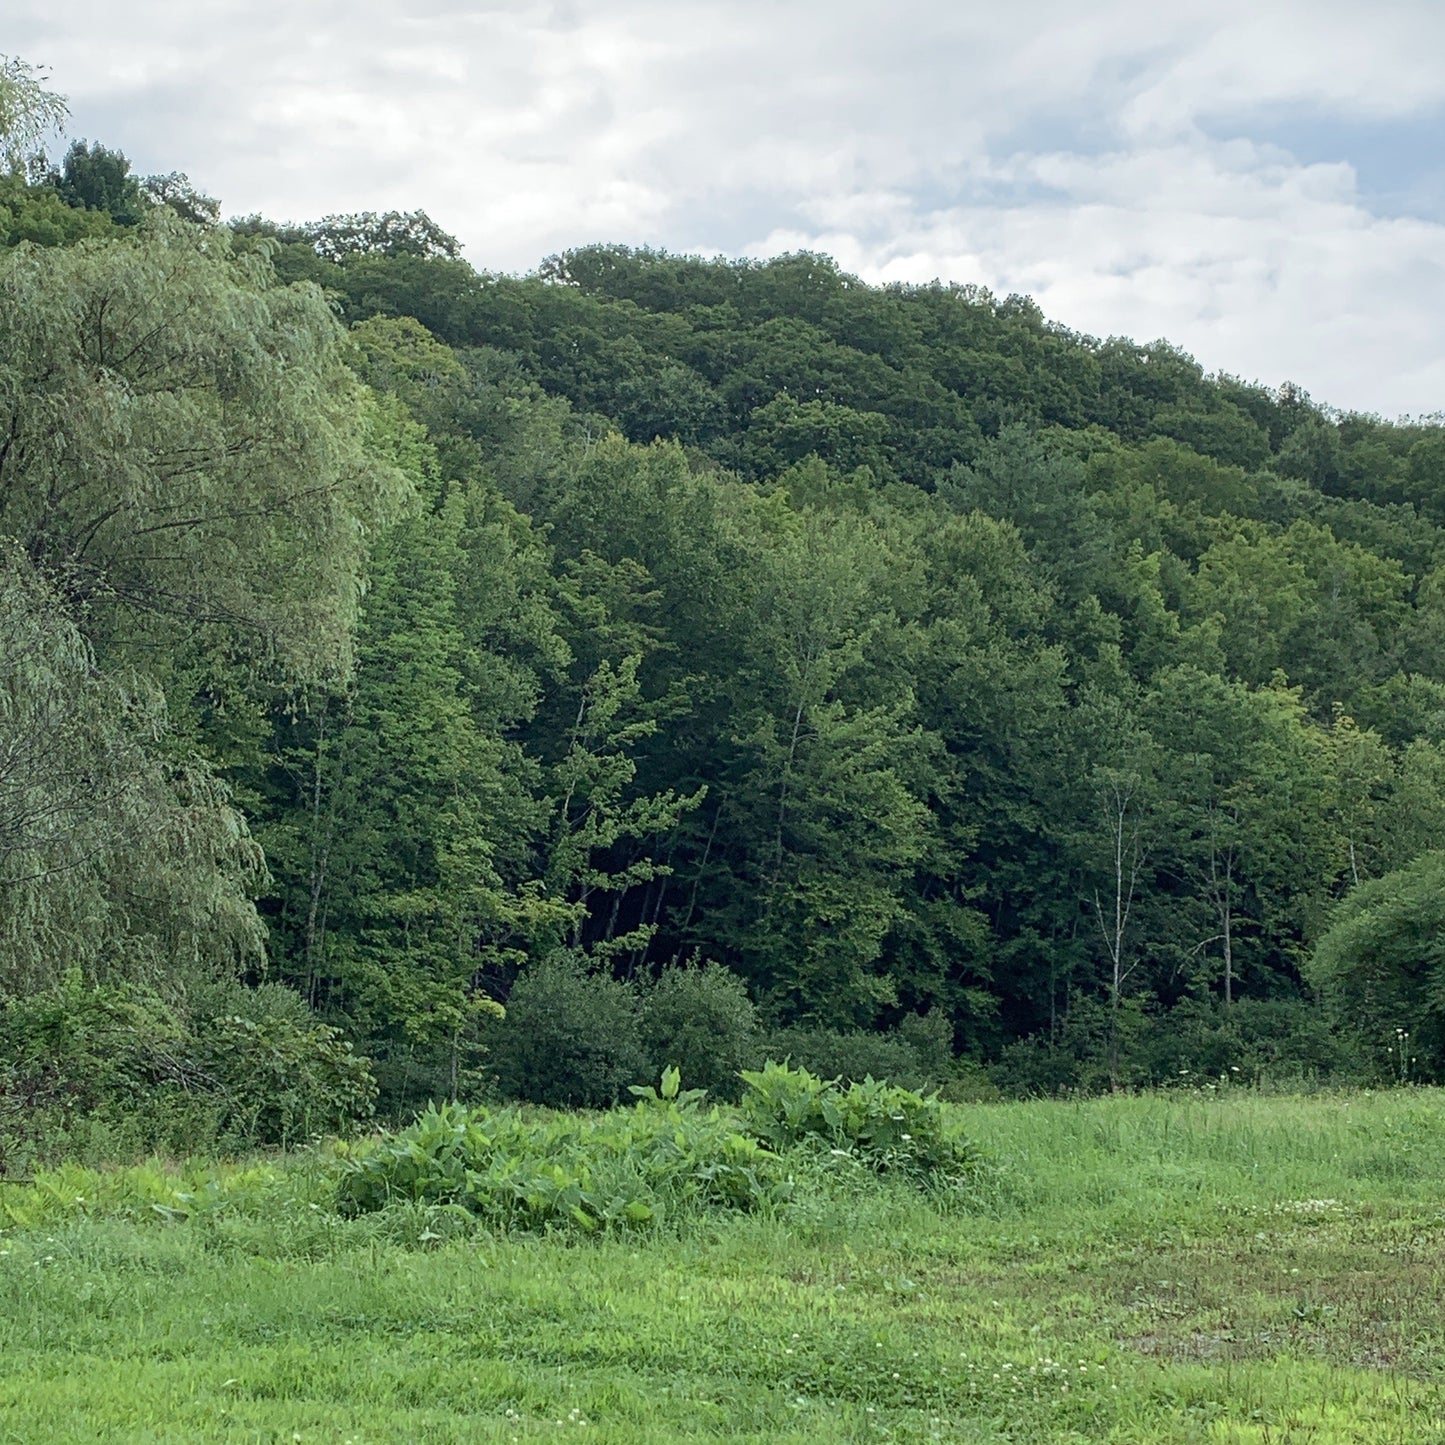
(1247, 785)
(827, 821)
(187, 493)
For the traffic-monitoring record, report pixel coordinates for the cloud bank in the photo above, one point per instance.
(1258, 182)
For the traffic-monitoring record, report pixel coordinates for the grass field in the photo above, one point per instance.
(1166, 1268)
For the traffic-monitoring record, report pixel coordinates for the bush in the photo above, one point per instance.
(852, 1057)
(90, 1072)
(665, 1158)
(101, 1073)
(282, 1075)
(701, 1022)
(930, 1036)
(1380, 968)
(1198, 1040)
(627, 1169)
(1095, 1048)
(1251, 1041)
(571, 1039)
(888, 1128)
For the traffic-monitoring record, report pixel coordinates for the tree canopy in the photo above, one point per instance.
(395, 629)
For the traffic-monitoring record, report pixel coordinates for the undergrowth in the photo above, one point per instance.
(670, 1154)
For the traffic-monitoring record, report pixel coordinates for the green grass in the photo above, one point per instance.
(1233, 1268)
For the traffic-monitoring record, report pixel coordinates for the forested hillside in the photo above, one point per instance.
(385, 643)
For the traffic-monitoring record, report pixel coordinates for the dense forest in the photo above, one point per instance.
(426, 681)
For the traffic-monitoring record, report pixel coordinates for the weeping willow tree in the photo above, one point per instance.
(181, 448)
(28, 111)
(117, 858)
(184, 475)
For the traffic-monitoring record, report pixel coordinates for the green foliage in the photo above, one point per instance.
(916, 1054)
(175, 191)
(1381, 966)
(94, 178)
(975, 747)
(666, 1158)
(37, 214)
(283, 1076)
(851, 1055)
(1199, 1043)
(90, 1070)
(339, 238)
(662, 1160)
(116, 1071)
(158, 387)
(571, 1039)
(28, 110)
(930, 1036)
(120, 855)
(891, 1129)
(945, 673)
(700, 1021)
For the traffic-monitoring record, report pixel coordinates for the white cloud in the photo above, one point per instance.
(1259, 266)
(1043, 147)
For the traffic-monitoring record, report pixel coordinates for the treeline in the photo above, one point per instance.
(972, 694)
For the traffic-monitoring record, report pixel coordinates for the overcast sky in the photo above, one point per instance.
(1260, 181)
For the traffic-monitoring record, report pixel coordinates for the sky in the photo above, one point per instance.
(1259, 181)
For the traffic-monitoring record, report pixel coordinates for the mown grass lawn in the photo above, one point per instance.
(1189, 1267)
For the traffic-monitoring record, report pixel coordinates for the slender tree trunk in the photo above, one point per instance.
(320, 858)
(702, 866)
(1221, 884)
(783, 787)
(1128, 858)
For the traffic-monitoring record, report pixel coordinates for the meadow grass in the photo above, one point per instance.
(1160, 1268)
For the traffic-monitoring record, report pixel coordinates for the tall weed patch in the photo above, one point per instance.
(888, 1128)
(667, 1157)
(623, 1169)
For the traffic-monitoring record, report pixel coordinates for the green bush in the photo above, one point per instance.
(89, 1072)
(664, 1158)
(1252, 1041)
(105, 1073)
(571, 1039)
(1094, 1048)
(930, 1036)
(701, 1022)
(889, 1128)
(281, 1074)
(1380, 968)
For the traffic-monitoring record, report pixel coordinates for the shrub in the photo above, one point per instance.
(90, 1071)
(665, 1158)
(570, 1039)
(1198, 1040)
(701, 1022)
(627, 1169)
(1381, 966)
(887, 1127)
(101, 1073)
(282, 1075)
(1096, 1047)
(930, 1036)
(1251, 1041)
(81, 1046)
